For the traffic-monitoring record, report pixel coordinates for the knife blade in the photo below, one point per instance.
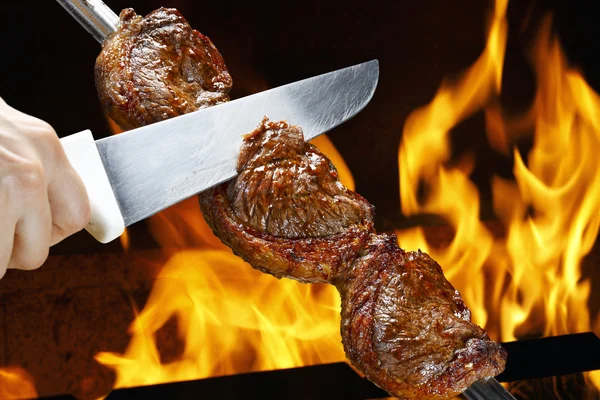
(133, 175)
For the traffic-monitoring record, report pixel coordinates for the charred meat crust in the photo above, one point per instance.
(287, 188)
(157, 67)
(407, 328)
(287, 214)
(308, 260)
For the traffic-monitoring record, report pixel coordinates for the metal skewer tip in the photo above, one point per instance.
(487, 389)
(95, 16)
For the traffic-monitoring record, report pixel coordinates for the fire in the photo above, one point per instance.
(528, 283)
(16, 383)
(553, 218)
(230, 317)
(450, 193)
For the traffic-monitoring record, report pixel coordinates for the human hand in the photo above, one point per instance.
(42, 198)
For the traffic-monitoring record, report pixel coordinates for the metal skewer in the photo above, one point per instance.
(487, 389)
(95, 16)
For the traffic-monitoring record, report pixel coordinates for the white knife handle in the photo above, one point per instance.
(106, 222)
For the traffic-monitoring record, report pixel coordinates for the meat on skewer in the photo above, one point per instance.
(406, 327)
(158, 67)
(286, 213)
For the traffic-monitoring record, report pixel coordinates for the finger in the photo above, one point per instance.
(6, 247)
(8, 219)
(6, 243)
(69, 205)
(40, 134)
(32, 233)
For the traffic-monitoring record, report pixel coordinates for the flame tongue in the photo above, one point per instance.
(450, 193)
(16, 383)
(530, 282)
(551, 209)
(205, 291)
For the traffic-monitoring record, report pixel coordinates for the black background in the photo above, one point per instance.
(47, 67)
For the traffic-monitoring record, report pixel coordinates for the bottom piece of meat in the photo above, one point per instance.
(287, 214)
(406, 327)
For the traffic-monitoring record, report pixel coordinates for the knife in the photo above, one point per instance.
(133, 175)
(138, 173)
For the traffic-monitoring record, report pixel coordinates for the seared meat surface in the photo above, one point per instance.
(286, 213)
(406, 327)
(272, 157)
(403, 324)
(157, 67)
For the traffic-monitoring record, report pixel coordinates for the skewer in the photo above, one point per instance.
(487, 389)
(99, 20)
(95, 16)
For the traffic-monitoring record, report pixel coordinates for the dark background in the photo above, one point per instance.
(47, 69)
(53, 321)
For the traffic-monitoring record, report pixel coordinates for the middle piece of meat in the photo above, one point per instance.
(287, 214)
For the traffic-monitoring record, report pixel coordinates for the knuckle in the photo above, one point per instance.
(47, 137)
(43, 130)
(29, 176)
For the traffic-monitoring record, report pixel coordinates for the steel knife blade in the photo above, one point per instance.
(153, 167)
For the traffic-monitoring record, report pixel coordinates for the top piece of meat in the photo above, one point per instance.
(157, 67)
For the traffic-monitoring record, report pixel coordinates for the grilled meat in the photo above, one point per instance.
(157, 67)
(286, 213)
(406, 327)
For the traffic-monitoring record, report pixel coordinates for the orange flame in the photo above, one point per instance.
(423, 153)
(16, 383)
(552, 217)
(528, 283)
(231, 318)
